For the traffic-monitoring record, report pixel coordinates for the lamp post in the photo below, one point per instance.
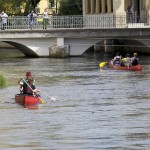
(56, 6)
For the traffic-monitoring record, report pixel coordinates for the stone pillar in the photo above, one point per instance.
(60, 41)
(108, 46)
(109, 6)
(84, 6)
(148, 12)
(92, 6)
(103, 7)
(59, 51)
(148, 17)
(148, 5)
(119, 14)
(97, 6)
(87, 6)
(97, 47)
(119, 9)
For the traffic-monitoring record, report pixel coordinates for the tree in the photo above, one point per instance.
(69, 7)
(11, 7)
(34, 3)
(30, 5)
(15, 7)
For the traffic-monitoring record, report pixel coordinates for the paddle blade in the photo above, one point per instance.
(102, 64)
(42, 101)
(53, 98)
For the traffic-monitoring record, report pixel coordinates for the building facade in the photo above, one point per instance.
(115, 6)
(97, 6)
(50, 5)
(133, 11)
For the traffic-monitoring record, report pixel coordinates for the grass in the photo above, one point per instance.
(3, 82)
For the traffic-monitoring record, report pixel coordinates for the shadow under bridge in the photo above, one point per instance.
(24, 49)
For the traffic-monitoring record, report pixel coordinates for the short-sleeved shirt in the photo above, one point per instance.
(27, 89)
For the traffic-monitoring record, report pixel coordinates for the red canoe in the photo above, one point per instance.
(27, 100)
(131, 68)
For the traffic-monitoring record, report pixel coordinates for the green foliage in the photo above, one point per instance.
(11, 7)
(52, 2)
(3, 82)
(34, 3)
(70, 7)
(14, 7)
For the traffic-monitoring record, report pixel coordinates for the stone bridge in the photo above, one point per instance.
(40, 43)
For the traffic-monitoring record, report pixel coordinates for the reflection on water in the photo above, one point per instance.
(95, 109)
(10, 53)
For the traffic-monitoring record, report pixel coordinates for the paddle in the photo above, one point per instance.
(102, 64)
(32, 90)
(52, 98)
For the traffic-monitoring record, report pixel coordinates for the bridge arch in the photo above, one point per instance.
(24, 49)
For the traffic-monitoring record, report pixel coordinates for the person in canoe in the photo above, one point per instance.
(134, 60)
(117, 61)
(127, 60)
(22, 80)
(29, 88)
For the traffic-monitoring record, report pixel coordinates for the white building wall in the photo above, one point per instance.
(43, 4)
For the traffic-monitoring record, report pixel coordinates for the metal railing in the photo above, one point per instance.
(87, 21)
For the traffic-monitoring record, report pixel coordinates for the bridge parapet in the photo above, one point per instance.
(102, 21)
(75, 33)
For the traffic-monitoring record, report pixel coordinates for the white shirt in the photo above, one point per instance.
(127, 61)
(4, 17)
(45, 14)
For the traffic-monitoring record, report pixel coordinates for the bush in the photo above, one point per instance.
(3, 82)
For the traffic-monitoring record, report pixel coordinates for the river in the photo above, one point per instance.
(94, 109)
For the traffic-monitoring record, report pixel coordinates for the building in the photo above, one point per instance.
(97, 6)
(118, 14)
(50, 5)
(115, 6)
(133, 11)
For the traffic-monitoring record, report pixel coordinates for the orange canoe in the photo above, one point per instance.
(27, 100)
(131, 68)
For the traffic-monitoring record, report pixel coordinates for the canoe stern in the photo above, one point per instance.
(27, 100)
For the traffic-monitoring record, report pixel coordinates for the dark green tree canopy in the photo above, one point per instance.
(70, 7)
(34, 3)
(11, 7)
(15, 7)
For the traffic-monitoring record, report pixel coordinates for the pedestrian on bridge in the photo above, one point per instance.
(32, 18)
(4, 17)
(45, 19)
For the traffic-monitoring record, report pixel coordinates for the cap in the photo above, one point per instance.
(135, 54)
(29, 74)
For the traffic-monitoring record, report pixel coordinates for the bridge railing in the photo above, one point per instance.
(79, 21)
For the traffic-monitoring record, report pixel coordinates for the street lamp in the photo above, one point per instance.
(55, 5)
